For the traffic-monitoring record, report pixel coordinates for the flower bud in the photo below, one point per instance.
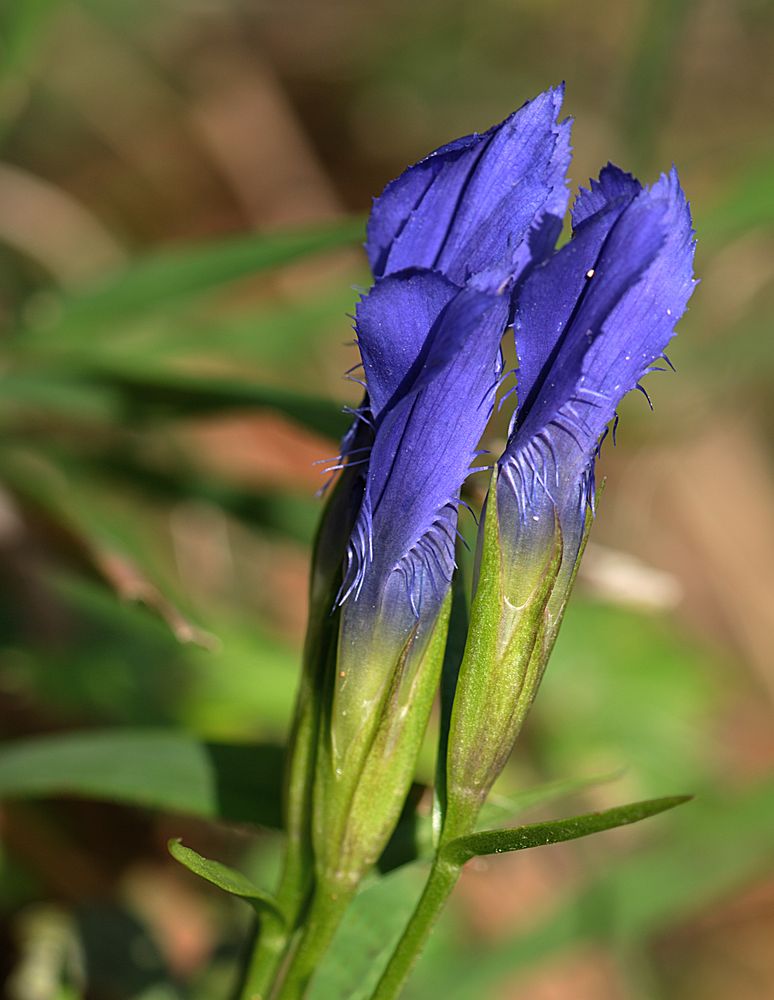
(590, 323)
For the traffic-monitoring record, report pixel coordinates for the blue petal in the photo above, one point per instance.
(564, 303)
(393, 322)
(401, 556)
(467, 208)
(614, 185)
(591, 323)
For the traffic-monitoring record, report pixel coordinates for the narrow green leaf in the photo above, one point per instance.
(41, 395)
(172, 276)
(150, 395)
(721, 843)
(274, 332)
(225, 878)
(22, 28)
(153, 768)
(413, 836)
(554, 831)
(500, 808)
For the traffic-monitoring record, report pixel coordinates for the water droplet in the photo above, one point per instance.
(590, 272)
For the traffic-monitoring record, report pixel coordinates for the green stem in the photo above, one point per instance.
(275, 934)
(443, 877)
(322, 921)
(271, 943)
(262, 962)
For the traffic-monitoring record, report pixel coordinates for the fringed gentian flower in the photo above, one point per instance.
(461, 245)
(448, 241)
(590, 323)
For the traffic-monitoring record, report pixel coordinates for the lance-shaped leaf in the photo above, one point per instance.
(554, 831)
(484, 203)
(225, 878)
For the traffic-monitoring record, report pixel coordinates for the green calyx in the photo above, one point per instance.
(505, 656)
(365, 764)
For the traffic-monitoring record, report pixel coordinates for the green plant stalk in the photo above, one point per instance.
(273, 936)
(441, 880)
(272, 933)
(321, 922)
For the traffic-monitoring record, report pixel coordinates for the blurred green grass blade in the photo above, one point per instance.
(169, 277)
(225, 878)
(130, 671)
(710, 849)
(156, 769)
(39, 394)
(747, 203)
(555, 831)
(22, 25)
(647, 90)
(154, 394)
(112, 538)
(279, 333)
(277, 512)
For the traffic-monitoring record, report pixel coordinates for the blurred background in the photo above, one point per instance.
(182, 191)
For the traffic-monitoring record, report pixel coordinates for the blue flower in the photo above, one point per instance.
(448, 242)
(445, 240)
(590, 323)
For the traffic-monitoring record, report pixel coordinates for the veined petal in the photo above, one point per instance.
(565, 303)
(468, 207)
(393, 323)
(401, 556)
(556, 290)
(590, 324)
(614, 185)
